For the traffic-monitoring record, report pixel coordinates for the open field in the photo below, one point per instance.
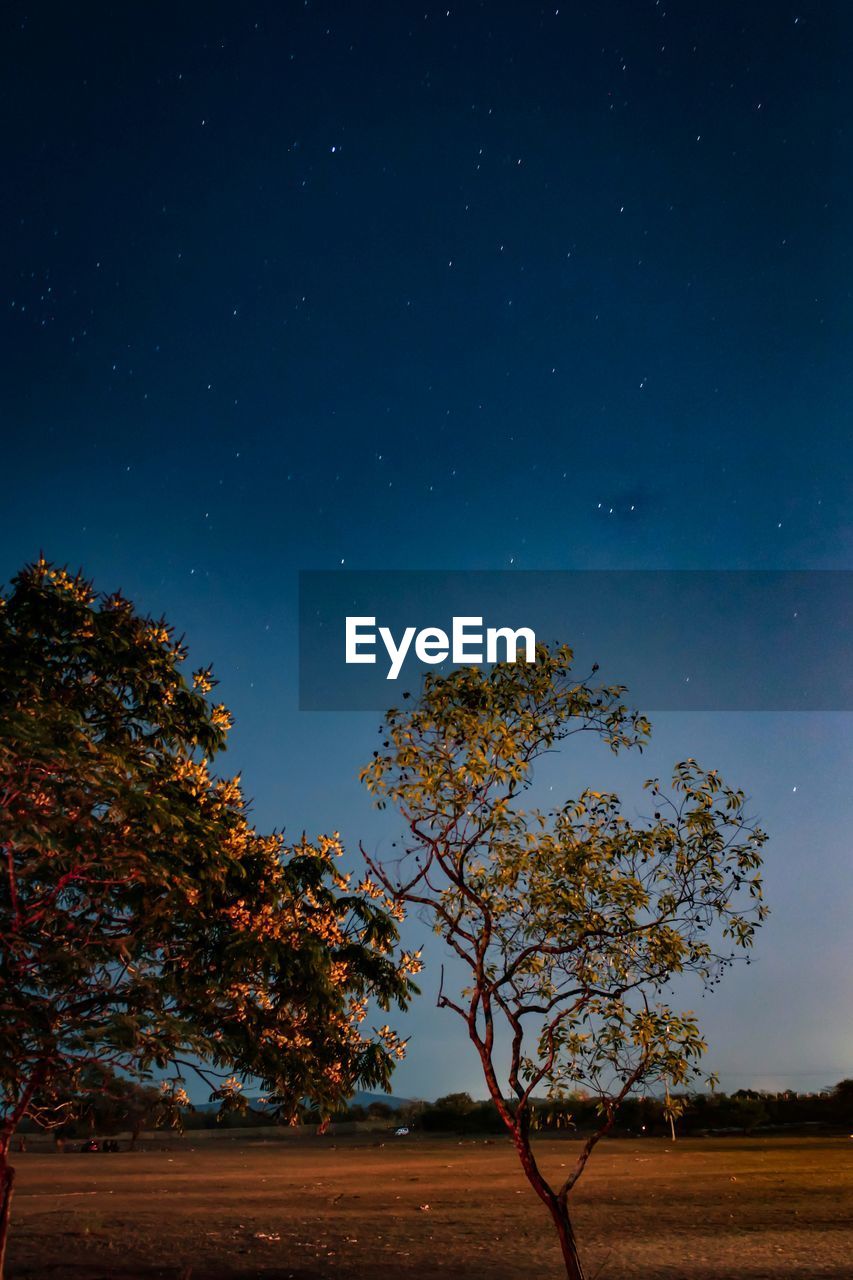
(739, 1209)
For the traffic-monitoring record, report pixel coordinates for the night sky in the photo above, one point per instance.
(302, 286)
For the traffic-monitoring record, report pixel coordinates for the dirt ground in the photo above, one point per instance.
(706, 1209)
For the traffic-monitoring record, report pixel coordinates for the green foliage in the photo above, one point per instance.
(571, 923)
(748, 1113)
(144, 922)
(458, 1103)
(441, 1117)
(94, 1099)
(577, 1116)
(380, 1111)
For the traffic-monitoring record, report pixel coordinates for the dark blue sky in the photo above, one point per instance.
(407, 286)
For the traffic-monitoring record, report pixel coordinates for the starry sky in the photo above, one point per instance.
(407, 286)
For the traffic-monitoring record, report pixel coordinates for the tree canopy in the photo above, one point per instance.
(570, 922)
(145, 924)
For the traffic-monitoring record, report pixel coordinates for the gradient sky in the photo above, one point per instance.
(484, 286)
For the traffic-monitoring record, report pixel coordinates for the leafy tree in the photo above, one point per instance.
(459, 1103)
(841, 1096)
(674, 1106)
(411, 1112)
(98, 1100)
(570, 923)
(144, 923)
(379, 1111)
(837, 1104)
(747, 1110)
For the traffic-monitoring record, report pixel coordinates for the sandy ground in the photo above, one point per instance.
(739, 1209)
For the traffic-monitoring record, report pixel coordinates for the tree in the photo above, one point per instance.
(673, 1107)
(103, 1102)
(747, 1109)
(570, 923)
(411, 1112)
(144, 923)
(379, 1111)
(841, 1102)
(459, 1103)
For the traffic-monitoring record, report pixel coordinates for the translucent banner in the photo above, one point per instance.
(680, 640)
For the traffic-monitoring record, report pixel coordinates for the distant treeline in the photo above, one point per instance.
(136, 1109)
(742, 1111)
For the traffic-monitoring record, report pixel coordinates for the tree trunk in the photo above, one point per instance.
(557, 1204)
(7, 1180)
(568, 1244)
(7, 1173)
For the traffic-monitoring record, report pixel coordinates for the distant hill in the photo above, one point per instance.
(364, 1100)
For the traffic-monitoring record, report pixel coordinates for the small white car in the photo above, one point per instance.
(402, 1132)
